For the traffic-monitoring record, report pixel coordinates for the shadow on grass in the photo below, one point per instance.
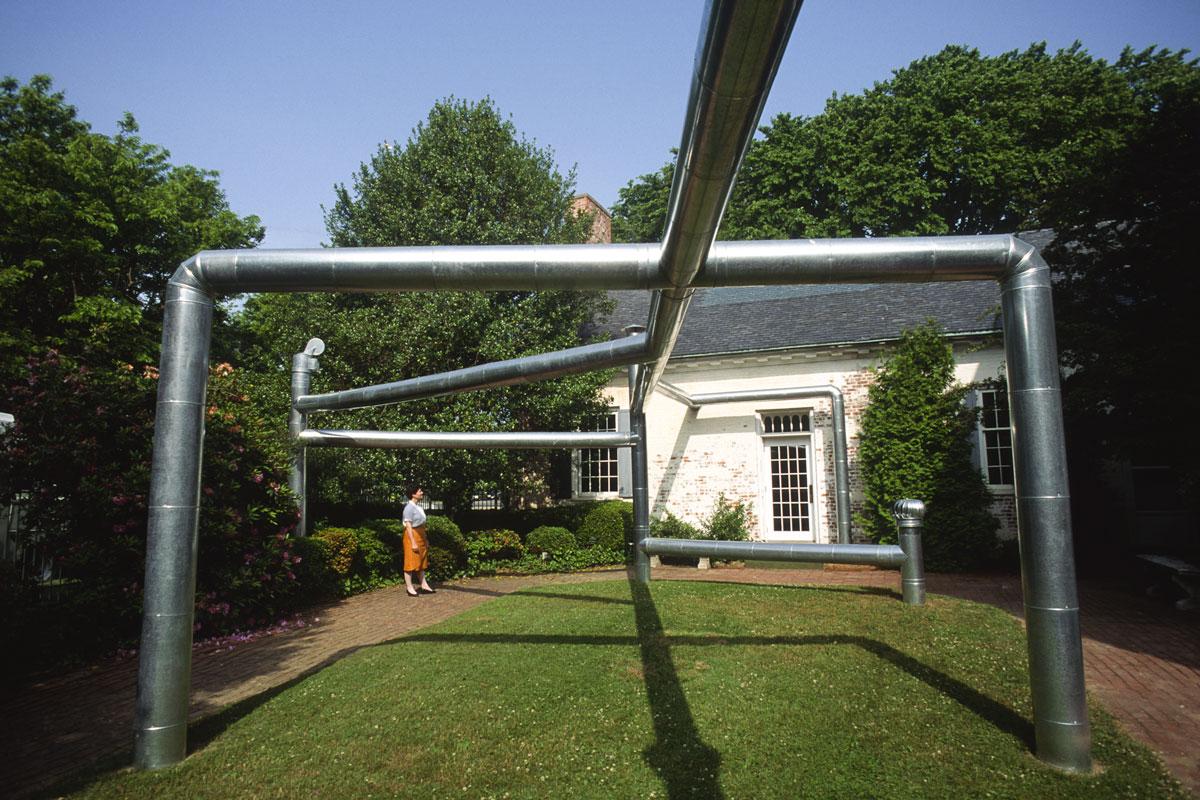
(686, 764)
(584, 597)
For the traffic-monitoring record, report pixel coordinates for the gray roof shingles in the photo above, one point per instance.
(753, 319)
(747, 319)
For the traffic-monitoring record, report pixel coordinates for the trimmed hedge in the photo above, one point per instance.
(550, 539)
(604, 527)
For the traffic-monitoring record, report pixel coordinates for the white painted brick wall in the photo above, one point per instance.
(696, 454)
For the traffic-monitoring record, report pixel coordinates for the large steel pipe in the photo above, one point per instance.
(917, 259)
(740, 47)
(1044, 515)
(165, 658)
(542, 366)
(426, 269)
(492, 440)
(841, 463)
(879, 555)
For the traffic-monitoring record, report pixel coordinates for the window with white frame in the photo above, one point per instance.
(597, 467)
(996, 437)
(787, 453)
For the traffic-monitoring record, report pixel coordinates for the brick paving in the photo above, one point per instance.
(1142, 659)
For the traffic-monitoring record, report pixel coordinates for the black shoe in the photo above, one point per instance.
(410, 592)
(427, 591)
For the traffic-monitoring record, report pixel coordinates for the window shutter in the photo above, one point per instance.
(624, 458)
(972, 401)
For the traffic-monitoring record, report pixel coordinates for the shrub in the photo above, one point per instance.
(373, 559)
(443, 564)
(494, 546)
(389, 531)
(342, 544)
(443, 533)
(604, 526)
(552, 540)
(728, 521)
(672, 527)
(316, 578)
(626, 511)
(915, 444)
(81, 450)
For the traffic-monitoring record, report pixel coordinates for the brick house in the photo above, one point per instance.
(782, 337)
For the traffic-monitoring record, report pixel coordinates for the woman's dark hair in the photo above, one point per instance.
(413, 489)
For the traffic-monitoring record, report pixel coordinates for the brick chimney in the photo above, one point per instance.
(601, 220)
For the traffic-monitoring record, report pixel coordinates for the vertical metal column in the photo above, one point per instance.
(641, 481)
(909, 515)
(303, 366)
(165, 661)
(1056, 679)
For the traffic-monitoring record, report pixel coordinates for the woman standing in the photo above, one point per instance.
(416, 551)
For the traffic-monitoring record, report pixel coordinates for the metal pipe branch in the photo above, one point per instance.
(879, 555)
(493, 440)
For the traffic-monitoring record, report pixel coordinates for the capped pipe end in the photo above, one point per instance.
(908, 510)
(315, 347)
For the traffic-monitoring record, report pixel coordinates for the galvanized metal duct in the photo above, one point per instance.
(527, 369)
(880, 555)
(917, 259)
(492, 440)
(740, 47)
(841, 465)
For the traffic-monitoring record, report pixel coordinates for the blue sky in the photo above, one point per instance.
(285, 99)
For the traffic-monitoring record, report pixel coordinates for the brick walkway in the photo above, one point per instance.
(1142, 660)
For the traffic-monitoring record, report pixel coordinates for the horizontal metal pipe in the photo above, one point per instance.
(841, 468)
(448, 267)
(917, 259)
(543, 366)
(879, 555)
(503, 440)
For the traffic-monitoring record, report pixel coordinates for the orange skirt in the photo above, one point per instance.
(418, 560)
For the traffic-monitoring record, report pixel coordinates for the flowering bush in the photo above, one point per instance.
(80, 450)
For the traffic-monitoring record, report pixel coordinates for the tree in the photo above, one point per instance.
(1127, 281)
(958, 143)
(465, 176)
(91, 227)
(915, 445)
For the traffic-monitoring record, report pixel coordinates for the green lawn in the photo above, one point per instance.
(684, 690)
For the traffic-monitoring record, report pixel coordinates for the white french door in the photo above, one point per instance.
(789, 492)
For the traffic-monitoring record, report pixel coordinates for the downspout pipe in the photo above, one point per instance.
(841, 467)
(492, 440)
(740, 47)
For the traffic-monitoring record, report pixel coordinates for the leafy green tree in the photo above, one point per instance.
(1127, 281)
(465, 176)
(915, 444)
(91, 227)
(1106, 154)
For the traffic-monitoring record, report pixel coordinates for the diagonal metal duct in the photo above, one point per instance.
(741, 45)
(526, 369)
